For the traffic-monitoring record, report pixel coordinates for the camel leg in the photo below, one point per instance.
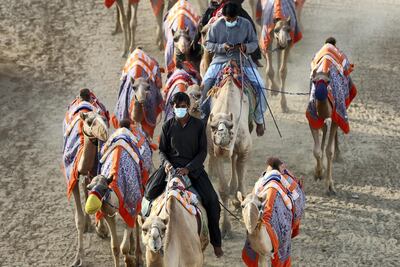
(324, 131)
(270, 73)
(118, 28)
(135, 248)
(262, 261)
(80, 226)
(241, 169)
(114, 238)
(233, 186)
(133, 24)
(125, 246)
(329, 156)
(160, 37)
(317, 154)
(224, 194)
(282, 76)
(101, 228)
(86, 193)
(337, 155)
(124, 26)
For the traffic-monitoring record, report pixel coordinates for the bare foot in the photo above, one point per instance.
(218, 252)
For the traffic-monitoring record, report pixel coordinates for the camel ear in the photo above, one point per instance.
(83, 115)
(109, 180)
(140, 220)
(239, 197)
(288, 20)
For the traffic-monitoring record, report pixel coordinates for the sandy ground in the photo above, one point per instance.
(50, 49)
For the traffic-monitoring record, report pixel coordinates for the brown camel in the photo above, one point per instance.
(94, 128)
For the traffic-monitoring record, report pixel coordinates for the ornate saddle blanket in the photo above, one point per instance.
(180, 17)
(179, 81)
(73, 136)
(283, 209)
(125, 156)
(278, 9)
(156, 5)
(232, 70)
(139, 64)
(341, 90)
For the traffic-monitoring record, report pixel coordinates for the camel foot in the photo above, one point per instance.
(139, 262)
(226, 231)
(116, 31)
(285, 109)
(125, 54)
(331, 191)
(318, 174)
(338, 157)
(101, 230)
(130, 262)
(77, 263)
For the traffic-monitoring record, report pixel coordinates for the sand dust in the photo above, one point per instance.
(50, 49)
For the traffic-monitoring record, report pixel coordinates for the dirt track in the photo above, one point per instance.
(49, 49)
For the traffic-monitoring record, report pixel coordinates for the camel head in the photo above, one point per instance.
(101, 196)
(95, 126)
(182, 42)
(194, 93)
(282, 32)
(251, 206)
(141, 87)
(221, 129)
(153, 233)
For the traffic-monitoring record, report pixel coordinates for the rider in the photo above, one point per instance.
(228, 38)
(183, 146)
(215, 6)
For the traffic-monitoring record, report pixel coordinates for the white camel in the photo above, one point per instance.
(229, 139)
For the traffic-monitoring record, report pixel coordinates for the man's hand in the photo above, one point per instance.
(243, 48)
(168, 167)
(227, 47)
(182, 171)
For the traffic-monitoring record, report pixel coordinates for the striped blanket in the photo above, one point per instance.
(126, 157)
(73, 138)
(156, 5)
(139, 64)
(278, 9)
(283, 209)
(179, 81)
(181, 16)
(341, 90)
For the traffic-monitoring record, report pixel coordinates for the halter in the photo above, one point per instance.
(161, 250)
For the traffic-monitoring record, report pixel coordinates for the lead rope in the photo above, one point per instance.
(263, 95)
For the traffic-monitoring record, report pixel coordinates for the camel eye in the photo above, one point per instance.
(276, 30)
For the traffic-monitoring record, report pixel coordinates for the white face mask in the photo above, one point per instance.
(230, 24)
(180, 112)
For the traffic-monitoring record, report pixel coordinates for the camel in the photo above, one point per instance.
(281, 34)
(128, 148)
(182, 81)
(171, 233)
(255, 6)
(180, 30)
(256, 233)
(324, 110)
(279, 23)
(229, 139)
(94, 128)
(128, 244)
